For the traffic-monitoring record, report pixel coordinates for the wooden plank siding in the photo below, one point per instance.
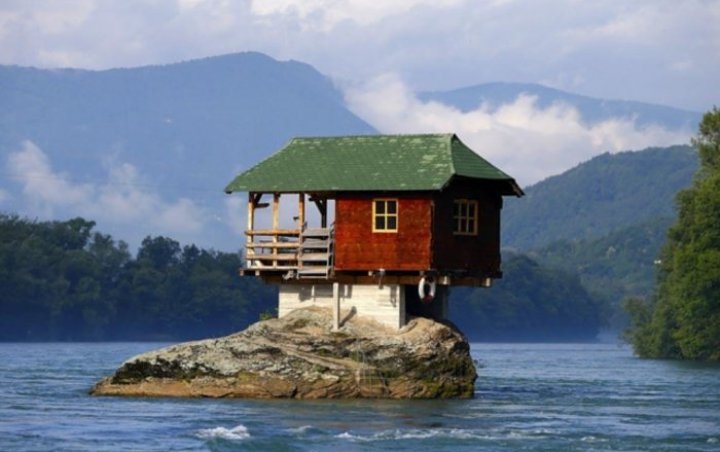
(357, 247)
(474, 253)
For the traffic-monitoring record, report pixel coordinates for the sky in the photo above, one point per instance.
(660, 51)
(380, 53)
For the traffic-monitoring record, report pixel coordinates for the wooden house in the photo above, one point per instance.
(397, 221)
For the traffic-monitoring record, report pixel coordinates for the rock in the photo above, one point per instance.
(299, 356)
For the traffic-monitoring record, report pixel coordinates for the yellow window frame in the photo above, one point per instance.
(385, 215)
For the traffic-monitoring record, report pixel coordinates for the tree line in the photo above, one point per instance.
(682, 319)
(62, 280)
(530, 303)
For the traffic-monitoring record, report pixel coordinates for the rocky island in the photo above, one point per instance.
(300, 356)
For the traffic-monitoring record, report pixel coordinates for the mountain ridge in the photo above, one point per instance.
(593, 110)
(186, 128)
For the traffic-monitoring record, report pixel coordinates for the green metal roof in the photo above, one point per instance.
(369, 163)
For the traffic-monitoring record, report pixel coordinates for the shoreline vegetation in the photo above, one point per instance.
(682, 319)
(64, 281)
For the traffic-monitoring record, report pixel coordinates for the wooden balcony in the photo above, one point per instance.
(299, 254)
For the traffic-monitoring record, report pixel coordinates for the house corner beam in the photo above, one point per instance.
(301, 211)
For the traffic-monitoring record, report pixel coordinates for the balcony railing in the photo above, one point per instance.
(306, 253)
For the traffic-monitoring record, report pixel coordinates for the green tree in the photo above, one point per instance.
(60, 280)
(530, 303)
(685, 314)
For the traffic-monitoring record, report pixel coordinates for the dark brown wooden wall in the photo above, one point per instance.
(479, 254)
(357, 247)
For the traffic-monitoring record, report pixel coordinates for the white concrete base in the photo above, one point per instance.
(385, 303)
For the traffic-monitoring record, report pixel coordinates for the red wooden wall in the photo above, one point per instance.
(425, 238)
(357, 247)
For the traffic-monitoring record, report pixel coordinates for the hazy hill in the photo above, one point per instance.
(192, 123)
(604, 194)
(591, 109)
(613, 267)
(188, 128)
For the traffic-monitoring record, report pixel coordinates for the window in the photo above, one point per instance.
(385, 215)
(465, 217)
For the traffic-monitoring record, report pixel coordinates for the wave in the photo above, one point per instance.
(452, 433)
(302, 430)
(593, 439)
(238, 432)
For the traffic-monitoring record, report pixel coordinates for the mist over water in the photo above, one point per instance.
(528, 397)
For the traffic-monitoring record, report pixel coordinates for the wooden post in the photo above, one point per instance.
(336, 306)
(250, 226)
(301, 211)
(275, 226)
(322, 207)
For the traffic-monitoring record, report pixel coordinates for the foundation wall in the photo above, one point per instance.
(386, 303)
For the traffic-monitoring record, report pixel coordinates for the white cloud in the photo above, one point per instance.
(526, 141)
(661, 51)
(235, 211)
(325, 15)
(119, 201)
(48, 17)
(45, 189)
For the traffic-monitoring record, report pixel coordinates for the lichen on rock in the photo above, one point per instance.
(300, 356)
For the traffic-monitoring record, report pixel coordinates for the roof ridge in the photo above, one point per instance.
(376, 135)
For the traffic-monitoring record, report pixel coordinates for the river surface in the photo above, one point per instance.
(554, 397)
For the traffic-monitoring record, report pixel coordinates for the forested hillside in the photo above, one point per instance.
(604, 221)
(62, 280)
(530, 303)
(619, 265)
(682, 320)
(607, 193)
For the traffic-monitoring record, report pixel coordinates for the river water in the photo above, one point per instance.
(534, 397)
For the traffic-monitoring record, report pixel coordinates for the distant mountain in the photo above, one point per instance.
(604, 194)
(190, 124)
(591, 109)
(187, 127)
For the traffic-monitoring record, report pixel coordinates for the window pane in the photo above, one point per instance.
(471, 226)
(391, 206)
(380, 207)
(471, 209)
(392, 223)
(379, 223)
